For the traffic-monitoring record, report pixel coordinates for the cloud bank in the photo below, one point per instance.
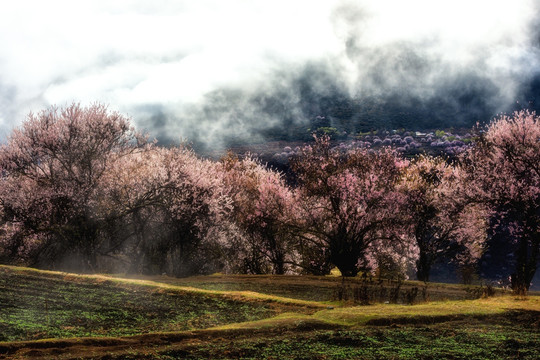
(219, 71)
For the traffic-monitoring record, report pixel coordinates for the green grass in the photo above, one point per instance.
(454, 340)
(166, 283)
(222, 317)
(37, 305)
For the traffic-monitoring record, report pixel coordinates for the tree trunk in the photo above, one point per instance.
(423, 267)
(346, 262)
(527, 255)
(279, 264)
(89, 260)
(276, 254)
(345, 252)
(137, 255)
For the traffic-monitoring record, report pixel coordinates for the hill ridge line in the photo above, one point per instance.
(246, 295)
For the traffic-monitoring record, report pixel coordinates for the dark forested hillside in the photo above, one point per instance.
(314, 99)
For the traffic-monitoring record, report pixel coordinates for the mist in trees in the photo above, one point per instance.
(81, 189)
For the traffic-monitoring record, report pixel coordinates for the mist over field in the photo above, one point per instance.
(217, 72)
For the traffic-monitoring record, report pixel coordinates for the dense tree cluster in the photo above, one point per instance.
(82, 189)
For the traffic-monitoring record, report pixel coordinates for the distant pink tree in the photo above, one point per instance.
(503, 171)
(263, 210)
(51, 169)
(349, 200)
(440, 223)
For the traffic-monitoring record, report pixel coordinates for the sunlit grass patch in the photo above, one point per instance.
(290, 321)
(362, 315)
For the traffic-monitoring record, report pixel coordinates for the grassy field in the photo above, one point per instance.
(320, 288)
(48, 315)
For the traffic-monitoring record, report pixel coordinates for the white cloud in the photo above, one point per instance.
(129, 53)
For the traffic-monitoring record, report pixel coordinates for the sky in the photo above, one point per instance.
(208, 69)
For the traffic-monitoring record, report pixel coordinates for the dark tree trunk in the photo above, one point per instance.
(346, 261)
(423, 266)
(527, 255)
(279, 264)
(345, 252)
(88, 236)
(277, 254)
(137, 255)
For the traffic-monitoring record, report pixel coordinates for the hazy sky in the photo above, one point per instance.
(158, 60)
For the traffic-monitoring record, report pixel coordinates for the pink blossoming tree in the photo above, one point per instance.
(51, 170)
(350, 200)
(504, 172)
(263, 210)
(441, 224)
(168, 201)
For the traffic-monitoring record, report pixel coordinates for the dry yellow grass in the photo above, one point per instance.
(361, 315)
